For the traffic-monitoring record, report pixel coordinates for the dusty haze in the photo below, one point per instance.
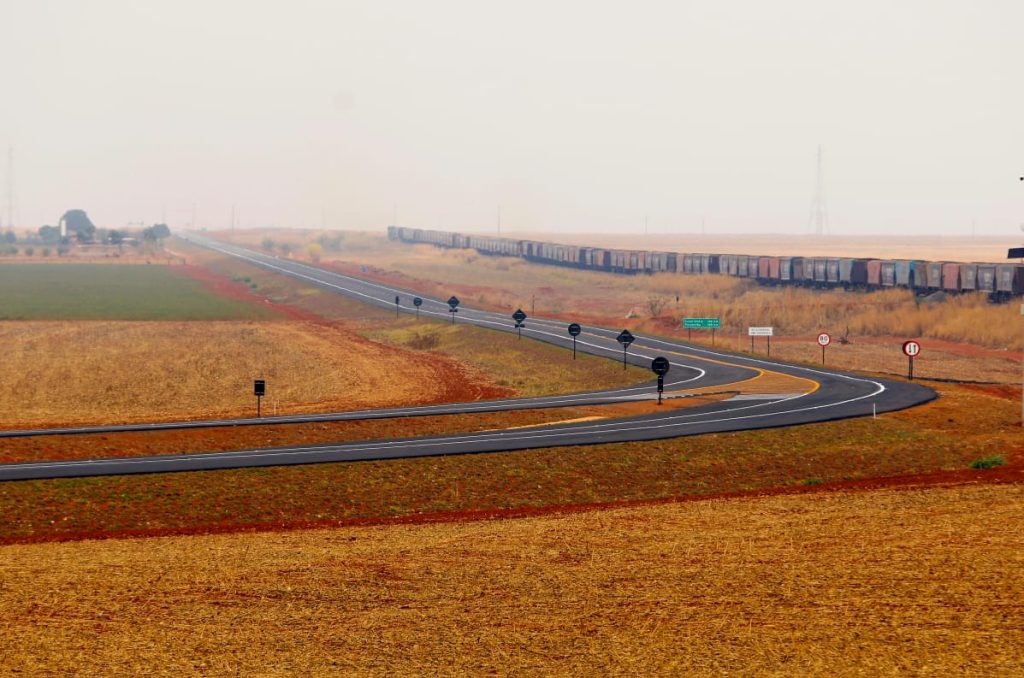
(572, 116)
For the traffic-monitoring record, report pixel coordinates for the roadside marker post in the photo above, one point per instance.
(690, 324)
(519, 317)
(911, 349)
(574, 331)
(824, 339)
(398, 301)
(625, 338)
(259, 388)
(761, 332)
(660, 367)
(453, 307)
(417, 302)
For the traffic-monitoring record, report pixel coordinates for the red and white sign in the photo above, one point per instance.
(824, 339)
(911, 348)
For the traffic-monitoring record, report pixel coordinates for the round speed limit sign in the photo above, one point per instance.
(911, 348)
(824, 339)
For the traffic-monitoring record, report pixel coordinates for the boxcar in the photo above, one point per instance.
(874, 273)
(1009, 280)
(764, 268)
(968, 277)
(853, 272)
(987, 278)
(888, 273)
(951, 277)
(832, 271)
(935, 275)
(742, 262)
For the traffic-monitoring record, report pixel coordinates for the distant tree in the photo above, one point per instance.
(286, 248)
(267, 244)
(161, 231)
(314, 250)
(46, 251)
(10, 237)
(331, 243)
(49, 234)
(78, 222)
(116, 237)
(30, 251)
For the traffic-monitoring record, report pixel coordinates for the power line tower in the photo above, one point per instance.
(819, 210)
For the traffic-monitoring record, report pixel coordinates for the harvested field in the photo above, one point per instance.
(113, 292)
(942, 438)
(921, 581)
(60, 373)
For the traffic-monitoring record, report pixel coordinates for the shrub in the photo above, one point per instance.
(988, 462)
(424, 341)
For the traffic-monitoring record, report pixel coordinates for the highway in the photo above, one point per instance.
(827, 395)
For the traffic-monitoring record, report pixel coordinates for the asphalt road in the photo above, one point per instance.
(829, 396)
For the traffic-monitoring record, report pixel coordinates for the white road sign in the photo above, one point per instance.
(824, 339)
(760, 331)
(911, 348)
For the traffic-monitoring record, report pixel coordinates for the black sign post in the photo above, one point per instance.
(574, 331)
(398, 301)
(660, 367)
(417, 302)
(453, 307)
(625, 338)
(259, 389)
(519, 317)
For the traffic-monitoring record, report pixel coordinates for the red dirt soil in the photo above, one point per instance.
(1002, 475)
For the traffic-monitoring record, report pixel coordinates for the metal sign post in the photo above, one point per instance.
(574, 331)
(660, 367)
(417, 302)
(259, 389)
(519, 317)
(453, 307)
(398, 301)
(824, 339)
(761, 332)
(911, 349)
(625, 338)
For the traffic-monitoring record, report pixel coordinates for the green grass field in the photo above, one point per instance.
(112, 292)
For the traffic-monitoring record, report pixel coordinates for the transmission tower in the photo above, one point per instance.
(819, 211)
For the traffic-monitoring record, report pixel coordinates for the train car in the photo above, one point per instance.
(1009, 281)
(820, 271)
(951, 277)
(987, 278)
(934, 275)
(853, 272)
(763, 268)
(832, 271)
(742, 265)
(873, 273)
(888, 273)
(775, 269)
(968, 277)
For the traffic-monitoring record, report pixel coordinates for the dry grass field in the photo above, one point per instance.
(60, 373)
(923, 581)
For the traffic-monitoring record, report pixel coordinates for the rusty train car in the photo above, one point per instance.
(999, 281)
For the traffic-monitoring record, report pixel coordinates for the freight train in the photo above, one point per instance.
(999, 281)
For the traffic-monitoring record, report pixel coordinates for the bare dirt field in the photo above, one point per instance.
(888, 581)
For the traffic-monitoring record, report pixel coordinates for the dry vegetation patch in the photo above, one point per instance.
(60, 373)
(873, 583)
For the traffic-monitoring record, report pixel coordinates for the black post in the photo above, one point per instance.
(519, 328)
(661, 387)
(417, 313)
(769, 346)
(574, 348)
(624, 349)
(910, 368)
(689, 335)
(712, 337)
(259, 414)
(751, 343)
(396, 306)
(822, 354)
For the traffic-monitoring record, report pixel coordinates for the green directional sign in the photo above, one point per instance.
(701, 323)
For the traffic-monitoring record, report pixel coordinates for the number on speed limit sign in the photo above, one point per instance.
(911, 348)
(824, 339)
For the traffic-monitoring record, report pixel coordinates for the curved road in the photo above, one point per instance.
(827, 396)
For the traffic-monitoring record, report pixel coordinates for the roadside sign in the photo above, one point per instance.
(911, 349)
(625, 338)
(766, 332)
(417, 302)
(701, 323)
(453, 307)
(574, 331)
(824, 339)
(660, 366)
(398, 301)
(519, 317)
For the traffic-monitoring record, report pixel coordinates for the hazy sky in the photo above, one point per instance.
(570, 115)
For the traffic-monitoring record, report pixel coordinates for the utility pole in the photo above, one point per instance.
(10, 187)
(819, 212)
